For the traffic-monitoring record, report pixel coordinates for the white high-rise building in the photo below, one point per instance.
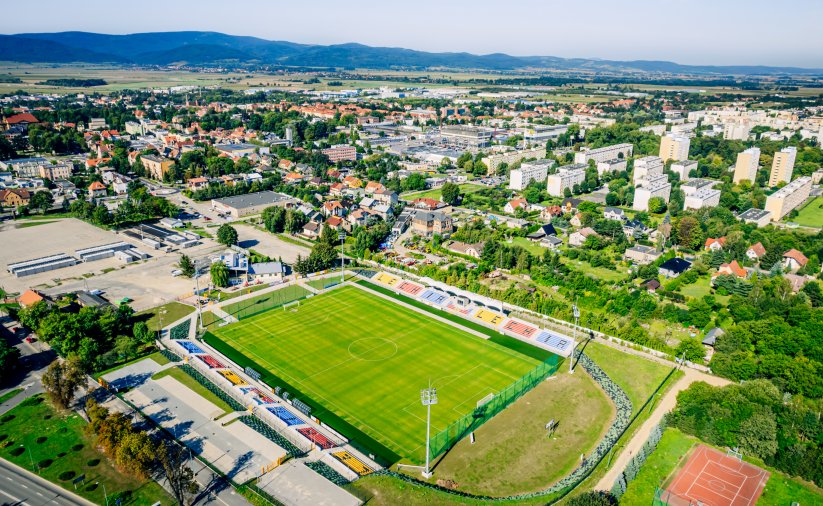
(683, 168)
(566, 177)
(747, 164)
(704, 197)
(736, 131)
(643, 194)
(537, 170)
(604, 153)
(647, 166)
(782, 166)
(674, 147)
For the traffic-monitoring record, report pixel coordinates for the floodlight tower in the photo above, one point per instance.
(342, 236)
(428, 396)
(576, 312)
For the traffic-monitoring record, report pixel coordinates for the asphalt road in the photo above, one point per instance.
(19, 487)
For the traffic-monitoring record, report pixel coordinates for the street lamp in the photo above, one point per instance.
(160, 330)
(342, 236)
(428, 397)
(576, 313)
(31, 459)
(105, 494)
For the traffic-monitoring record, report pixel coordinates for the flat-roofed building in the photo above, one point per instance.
(782, 166)
(566, 177)
(759, 217)
(683, 168)
(537, 135)
(493, 161)
(466, 136)
(156, 166)
(647, 166)
(604, 153)
(747, 164)
(697, 184)
(704, 197)
(252, 203)
(536, 170)
(781, 202)
(340, 152)
(611, 166)
(674, 147)
(643, 194)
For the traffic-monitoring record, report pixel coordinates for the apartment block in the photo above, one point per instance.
(566, 177)
(781, 202)
(642, 195)
(704, 197)
(694, 185)
(747, 164)
(782, 166)
(674, 147)
(647, 166)
(611, 166)
(736, 131)
(340, 152)
(683, 168)
(537, 170)
(604, 153)
(650, 180)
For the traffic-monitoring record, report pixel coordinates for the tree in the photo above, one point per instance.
(813, 292)
(450, 193)
(41, 201)
(227, 235)
(186, 265)
(61, 381)
(592, 498)
(689, 234)
(657, 205)
(9, 355)
(179, 476)
(693, 349)
(143, 333)
(219, 274)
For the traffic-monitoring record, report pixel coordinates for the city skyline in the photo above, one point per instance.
(696, 33)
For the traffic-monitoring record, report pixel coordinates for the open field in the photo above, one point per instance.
(780, 489)
(60, 446)
(435, 194)
(811, 215)
(161, 316)
(365, 359)
(513, 454)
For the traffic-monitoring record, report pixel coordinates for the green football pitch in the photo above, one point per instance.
(365, 359)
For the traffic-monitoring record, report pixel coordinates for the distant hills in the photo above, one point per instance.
(213, 48)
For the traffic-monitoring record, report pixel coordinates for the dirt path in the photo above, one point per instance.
(666, 404)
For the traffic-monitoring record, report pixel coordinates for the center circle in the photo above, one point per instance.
(373, 349)
(717, 485)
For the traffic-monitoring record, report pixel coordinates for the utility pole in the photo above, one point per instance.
(576, 313)
(342, 236)
(428, 397)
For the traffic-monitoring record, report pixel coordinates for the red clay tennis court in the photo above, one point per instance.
(712, 478)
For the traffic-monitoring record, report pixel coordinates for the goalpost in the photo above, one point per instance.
(294, 304)
(736, 453)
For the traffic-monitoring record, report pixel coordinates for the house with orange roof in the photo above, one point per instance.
(286, 164)
(333, 208)
(714, 244)
(373, 186)
(336, 189)
(14, 197)
(756, 252)
(794, 260)
(97, 189)
(513, 205)
(198, 183)
(352, 182)
(336, 223)
(93, 163)
(29, 298)
(293, 178)
(731, 269)
(22, 120)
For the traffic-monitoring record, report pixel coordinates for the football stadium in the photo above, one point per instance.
(358, 359)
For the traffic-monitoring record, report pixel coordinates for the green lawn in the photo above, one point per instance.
(364, 359)
(504, 458)
(65, 448)
(595, 272)
(182, 377)
(637, 376)
(173, 312)
(224, 296)
(266, 301)
(530, 246)
(156, 356)
(780, 490)
(27, 224)
(811, 215)
(435, 194)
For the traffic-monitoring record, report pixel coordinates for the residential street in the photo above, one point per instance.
(20, 487)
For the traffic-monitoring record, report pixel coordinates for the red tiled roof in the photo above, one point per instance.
(21, 118)
(797, 256)
(758, 249)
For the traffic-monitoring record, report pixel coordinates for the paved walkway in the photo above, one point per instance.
(666, 404)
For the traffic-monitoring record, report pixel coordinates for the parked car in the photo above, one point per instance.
(176, 272)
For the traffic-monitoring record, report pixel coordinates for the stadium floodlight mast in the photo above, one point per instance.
(576, 313)
(342, 236)
(428, 396)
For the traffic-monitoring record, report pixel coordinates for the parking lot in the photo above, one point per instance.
(268, 244)
(148, 283)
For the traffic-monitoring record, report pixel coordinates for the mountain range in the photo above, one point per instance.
(213, 48)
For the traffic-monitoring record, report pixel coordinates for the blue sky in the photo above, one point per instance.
(767, 32)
